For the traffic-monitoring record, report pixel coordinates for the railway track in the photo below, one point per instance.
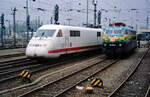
(65, 83)
(12, 63)
(148, 92)
(12, 55)
(48, 88)
(10, 69)
(111, 77)
(118, 90)
(35, 69)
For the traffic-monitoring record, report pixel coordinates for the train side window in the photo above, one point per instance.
(98, 34)
(78, 33)
(71, 33)
(59, 33)
(74, 33)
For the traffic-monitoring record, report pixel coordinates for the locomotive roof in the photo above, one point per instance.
(68, 27)
(118, 27)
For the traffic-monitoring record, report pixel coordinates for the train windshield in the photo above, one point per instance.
(113, 32)
(117, 31)
(44, 33)
(109, 31)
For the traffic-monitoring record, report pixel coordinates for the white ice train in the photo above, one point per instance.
(51, 41)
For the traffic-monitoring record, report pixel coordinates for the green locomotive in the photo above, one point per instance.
(119, 39)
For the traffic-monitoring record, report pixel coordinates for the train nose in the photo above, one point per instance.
(38, 49)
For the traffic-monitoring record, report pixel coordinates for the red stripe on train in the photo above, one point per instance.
(72, 49)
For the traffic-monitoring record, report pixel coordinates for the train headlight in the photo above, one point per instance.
(120, 44)
(105, 44)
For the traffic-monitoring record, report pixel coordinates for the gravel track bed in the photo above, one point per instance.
(78, 74)
(18, 81)
(112, 77)
(138, 83)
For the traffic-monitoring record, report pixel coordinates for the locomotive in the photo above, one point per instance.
(119, 39)
(52, 41)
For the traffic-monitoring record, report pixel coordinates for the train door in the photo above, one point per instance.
(67, 40)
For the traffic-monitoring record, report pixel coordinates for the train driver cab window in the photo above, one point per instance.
(117, 31)
(98, 34)
(109, 31)
(59, 33)
(44, 33)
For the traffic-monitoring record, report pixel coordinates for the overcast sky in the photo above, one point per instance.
(118, 10)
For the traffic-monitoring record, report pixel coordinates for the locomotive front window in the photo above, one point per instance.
(109, 31)
(117, 31)
(44, 33)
